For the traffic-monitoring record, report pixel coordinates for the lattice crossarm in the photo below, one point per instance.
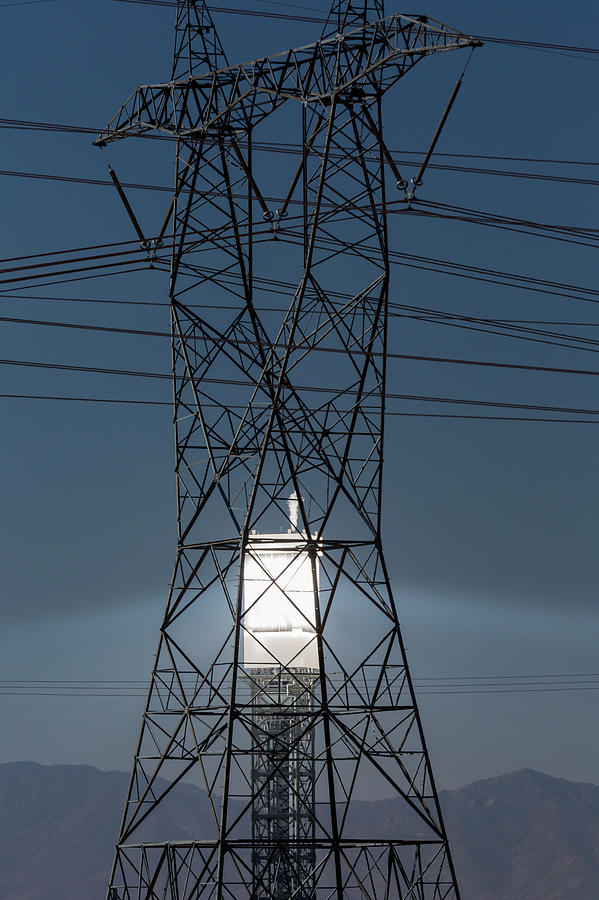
(149, 108)
(237, 98)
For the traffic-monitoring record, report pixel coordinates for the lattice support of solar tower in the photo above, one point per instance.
(283, 781)
(281, 681)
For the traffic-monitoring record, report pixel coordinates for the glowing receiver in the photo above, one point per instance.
(279, 611)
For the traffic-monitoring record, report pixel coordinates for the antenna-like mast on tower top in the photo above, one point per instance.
(281, 680)
(293, 503)
(198, 49)
(347, 14)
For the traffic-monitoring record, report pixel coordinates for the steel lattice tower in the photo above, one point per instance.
(281, 678)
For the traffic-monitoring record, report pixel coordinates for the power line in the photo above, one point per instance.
(409, 260)
(488, 275)
(85, 248)
(500, 328)
(580, 238)
(275, 147)
(115, 400)
(565, 233)
(131, 693)
(107, 300)
(60, 128)
(98, 271)
(163, 304)
(70, 179)
(63, 262)
(497, 326)
(100, 370)
(505, 328)
(441, 167)
(78, 277)
(132, 685)
(388, 412)
(449, 320)
(244, 12)
(512, 42)
(420, 678)
(23, 3)
(560, 370)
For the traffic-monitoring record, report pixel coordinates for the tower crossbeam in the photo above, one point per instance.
(236, 98)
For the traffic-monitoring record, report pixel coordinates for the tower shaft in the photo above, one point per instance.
(283, 782)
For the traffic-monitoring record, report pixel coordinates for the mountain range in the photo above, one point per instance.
(520, 836)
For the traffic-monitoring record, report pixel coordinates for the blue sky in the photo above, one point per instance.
(491, 526)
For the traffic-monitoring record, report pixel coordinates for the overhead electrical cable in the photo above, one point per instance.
(564, 234)
(485, 215)
(442, 167)
(389, 412)
(54, 279)
(24, 3)
(116, 685)
(318, 20)
(113, 301)
(389, 355)
(478, 217)
(135, 688)
(512, 329)
(476, 273)
(562, 677)
(514, 332)
(441, 682)
(97, 269)
(282, 147)
(420, 207)
(393, 305)
(505, 328)
(101, 370)
(504, 224)
(55, 282)
(512, 42)
(40, 254)
(420, 693)
(551, 231)
(409, 260)
(60, 128)
(63, 262)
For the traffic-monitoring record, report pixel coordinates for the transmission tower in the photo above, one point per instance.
(281, 680)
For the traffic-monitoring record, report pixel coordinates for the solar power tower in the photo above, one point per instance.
(281, 681)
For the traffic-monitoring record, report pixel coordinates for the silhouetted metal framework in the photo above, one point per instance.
(283, 754)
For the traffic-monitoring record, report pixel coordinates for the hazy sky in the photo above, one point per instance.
(490, 526)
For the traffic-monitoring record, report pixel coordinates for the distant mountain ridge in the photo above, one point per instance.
(525, 836)
(521, 836)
